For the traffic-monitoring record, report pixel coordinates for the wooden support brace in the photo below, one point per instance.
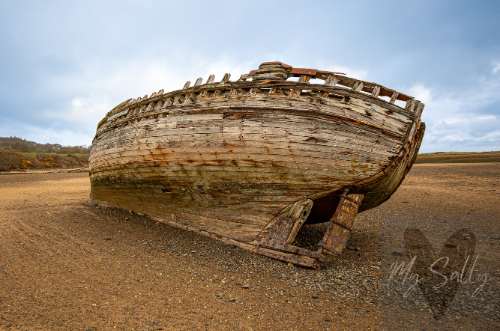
(167, 103)
(358, 86)
(418, 109)
(340, 228)
(394, 97)
(331, 81)
(199, 81)
(244, 77)
(210, 79)
(304, 79)
(276, 91)
(225, 79)
(187, 100)
(376, 91)
(285, 227)
(410, 105)
(177, 100)
(187, 85)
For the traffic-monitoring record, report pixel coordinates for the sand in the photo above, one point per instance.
(66, 264)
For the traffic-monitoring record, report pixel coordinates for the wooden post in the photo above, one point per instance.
(358, 86)
(394, 97)
(210, 79)
(410, 104)
(340, 228)
(331, 81)
(304, 79)
(225, 79)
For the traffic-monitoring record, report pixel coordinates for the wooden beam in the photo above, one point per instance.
(418, 109)
(226, 77)
(244, 77)
(358, 86)
(304, 79)
(410, 105)
(331, 81)
(394, 97)
(210, 79)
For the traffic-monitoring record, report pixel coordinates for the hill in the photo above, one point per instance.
(458, 157)
(17, 154)
(26, 146)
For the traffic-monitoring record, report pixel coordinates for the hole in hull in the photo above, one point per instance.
(314, 228)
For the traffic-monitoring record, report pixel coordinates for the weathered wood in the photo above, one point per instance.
(244, 77)
(312, 87)
(331, 81)
(304, 79)
(226, 77)
(340, 227)
(418, 109)
(358, 86)
(394, 97)
(242, 161)
(188, 83)
(210, 79)
(410, 105)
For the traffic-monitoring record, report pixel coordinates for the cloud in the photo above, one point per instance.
(348, 71)
(461, 120)
(62, 134)
(421, 93)
(81, 110)
(58, 73)
(78, 100)
(484, 118)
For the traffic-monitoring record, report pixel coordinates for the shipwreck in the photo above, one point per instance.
(249, 162)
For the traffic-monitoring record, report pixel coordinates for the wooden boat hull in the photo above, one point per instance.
(228, 159)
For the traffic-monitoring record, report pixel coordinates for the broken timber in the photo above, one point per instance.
(250, 162)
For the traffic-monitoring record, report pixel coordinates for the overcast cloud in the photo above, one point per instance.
(65, 64)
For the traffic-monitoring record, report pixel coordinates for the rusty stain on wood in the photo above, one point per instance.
(249, 162)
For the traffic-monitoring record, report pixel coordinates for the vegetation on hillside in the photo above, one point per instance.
(458, 157)
(18, 154)
(26, 146)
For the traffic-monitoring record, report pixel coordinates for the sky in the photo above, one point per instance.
(65, 64)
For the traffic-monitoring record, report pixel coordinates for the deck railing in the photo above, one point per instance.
(338, 81)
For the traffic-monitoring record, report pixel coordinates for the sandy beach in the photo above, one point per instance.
(66, 264)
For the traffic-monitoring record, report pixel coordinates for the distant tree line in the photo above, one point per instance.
(26, 146)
